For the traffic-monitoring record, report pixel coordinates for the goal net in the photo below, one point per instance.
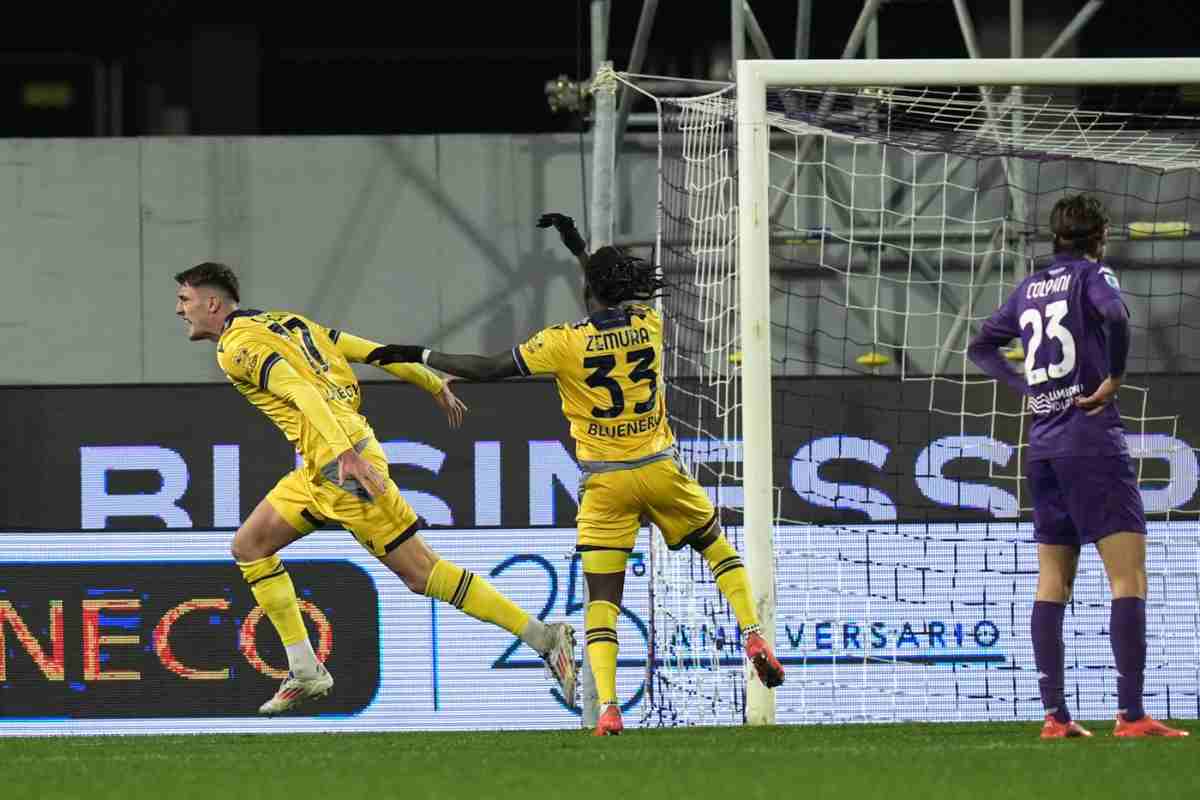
(896, 218)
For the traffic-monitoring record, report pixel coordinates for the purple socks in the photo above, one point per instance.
(1127, 632)
(1049, 654)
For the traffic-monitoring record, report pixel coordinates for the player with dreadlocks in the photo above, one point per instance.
(607, 367)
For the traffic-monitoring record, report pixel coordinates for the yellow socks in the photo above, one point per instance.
(473, 595)
(727, 568)
(601, 620)
(273, 590)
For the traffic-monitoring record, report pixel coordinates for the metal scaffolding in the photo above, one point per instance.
(863, 39)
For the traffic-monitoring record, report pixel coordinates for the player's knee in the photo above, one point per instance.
(414, 573)
(415, 580)
(1054, 588)
(1130, 583)
(241, 550)
(605, 587)
(246, 547)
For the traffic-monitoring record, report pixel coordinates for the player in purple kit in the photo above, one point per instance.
(1075, 331)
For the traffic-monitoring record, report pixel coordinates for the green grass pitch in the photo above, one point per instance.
(973, 761)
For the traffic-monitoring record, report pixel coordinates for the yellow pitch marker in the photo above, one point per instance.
(735, 357)
(1160, 230)
(873, 360)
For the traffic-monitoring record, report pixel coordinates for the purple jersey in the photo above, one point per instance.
(1059, 313)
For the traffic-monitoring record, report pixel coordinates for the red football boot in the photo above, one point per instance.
(1053, 729)
(610, 723)
(769, 670)
(1146, 726)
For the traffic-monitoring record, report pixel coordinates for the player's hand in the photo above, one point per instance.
(352, 465)
(453, 407)
(560, 222)
(1094, 403)
(566, 231)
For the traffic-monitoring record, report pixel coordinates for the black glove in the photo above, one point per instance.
(566, 230)
(395, 354)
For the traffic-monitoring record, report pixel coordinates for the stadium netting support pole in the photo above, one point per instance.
(604, 89)
(754, 287)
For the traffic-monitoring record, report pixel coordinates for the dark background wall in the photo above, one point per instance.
(156, 68)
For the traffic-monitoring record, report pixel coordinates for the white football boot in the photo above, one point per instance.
(560, 661)
(296, 691)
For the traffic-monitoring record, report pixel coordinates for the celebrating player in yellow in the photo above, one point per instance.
(298, 373)
(607, 368)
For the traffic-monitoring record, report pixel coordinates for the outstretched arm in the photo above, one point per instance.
(363, 351)
(478, 368)
(358, 350)
(568, 233)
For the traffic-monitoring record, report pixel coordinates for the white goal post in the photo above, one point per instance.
(753, 248)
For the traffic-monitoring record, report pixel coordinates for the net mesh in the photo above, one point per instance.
(905, 568)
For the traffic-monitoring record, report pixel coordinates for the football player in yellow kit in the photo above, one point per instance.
(298, 373)
(607, 368)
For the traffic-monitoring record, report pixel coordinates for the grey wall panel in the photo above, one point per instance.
(419, 239)
(70, 270)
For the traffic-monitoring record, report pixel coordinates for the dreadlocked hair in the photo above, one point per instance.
(615, 277)
(1078, 222)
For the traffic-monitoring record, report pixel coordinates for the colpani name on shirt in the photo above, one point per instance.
(1048, 286)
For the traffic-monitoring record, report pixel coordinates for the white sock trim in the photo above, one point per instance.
(538, 635)
(302, 661)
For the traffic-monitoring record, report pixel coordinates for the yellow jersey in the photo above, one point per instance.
(607, 368)
(298, 373)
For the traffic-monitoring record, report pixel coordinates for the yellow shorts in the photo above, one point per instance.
(381, 524)
(613, 504)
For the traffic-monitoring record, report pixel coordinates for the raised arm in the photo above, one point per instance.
(568, 233)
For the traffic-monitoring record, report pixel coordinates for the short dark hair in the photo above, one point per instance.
(1078, 222)
(210, 273)
(614, 277)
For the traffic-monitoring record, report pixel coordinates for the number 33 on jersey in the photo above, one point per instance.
(607, 368)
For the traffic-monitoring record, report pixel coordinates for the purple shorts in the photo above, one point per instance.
(1080, 500)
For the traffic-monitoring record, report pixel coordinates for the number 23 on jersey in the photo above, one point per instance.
(1048, 327)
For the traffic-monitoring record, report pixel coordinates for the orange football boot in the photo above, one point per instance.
(769, 670)
(1146, 726)
(610, 723)
(1053, 729)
